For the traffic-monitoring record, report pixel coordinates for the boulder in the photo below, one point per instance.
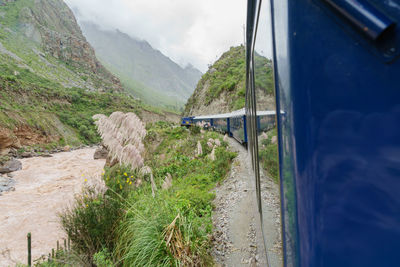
(67, 149)
(111, 162)
(28, 154)
(11, 166)
(100, 153)
(6, 184)
(13, 153)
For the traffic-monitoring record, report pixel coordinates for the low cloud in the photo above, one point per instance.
(195, 32)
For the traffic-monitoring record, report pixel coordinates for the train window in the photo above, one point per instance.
(267, 141)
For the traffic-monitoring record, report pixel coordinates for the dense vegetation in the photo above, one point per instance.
(29, 99)
(269, 155)
(127, 226)
(228, 74)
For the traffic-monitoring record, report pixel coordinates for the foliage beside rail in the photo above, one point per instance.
(126, 226)
(269, 154)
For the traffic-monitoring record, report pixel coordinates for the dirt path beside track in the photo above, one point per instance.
(237, 234)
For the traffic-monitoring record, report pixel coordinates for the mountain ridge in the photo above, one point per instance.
(51, 83)
(141, 67)
(223, 87)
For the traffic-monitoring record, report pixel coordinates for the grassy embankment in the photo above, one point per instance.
(269, 155)
(43, 93)
(228, 76)
(45, 106)
(127, 226)
(28, 99)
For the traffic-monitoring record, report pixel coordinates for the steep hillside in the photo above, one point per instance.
(44, 36)
(50, 80)
(148, 73)
(223, 87)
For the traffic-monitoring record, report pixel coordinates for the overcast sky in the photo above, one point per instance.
(187, 31)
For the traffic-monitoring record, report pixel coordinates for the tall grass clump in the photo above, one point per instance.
(91, 221)
(162, 232)
(122, 134)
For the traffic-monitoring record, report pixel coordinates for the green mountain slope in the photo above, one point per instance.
(50, 80)
(44, 37)
(148, 74)
(223, 87)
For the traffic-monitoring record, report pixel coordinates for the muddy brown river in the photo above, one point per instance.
(45, 186)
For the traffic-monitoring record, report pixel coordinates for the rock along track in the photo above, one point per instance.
(237, 237)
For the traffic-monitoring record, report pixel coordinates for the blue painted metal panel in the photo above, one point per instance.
(339, 139)
(228, 123)
(238, 129)
(364, 16)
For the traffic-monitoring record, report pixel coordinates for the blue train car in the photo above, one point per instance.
(187, 121)
(337, 81)
(235, 123)
(265, 120)
(238, 129)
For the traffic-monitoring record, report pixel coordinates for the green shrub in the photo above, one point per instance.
(103, 259)
(269, 156)
(194, 129)
(120, 180)
(91, 222)
(11, 78)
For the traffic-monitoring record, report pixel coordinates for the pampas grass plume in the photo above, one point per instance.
(122, 134)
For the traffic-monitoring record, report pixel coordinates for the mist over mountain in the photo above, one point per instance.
(143, 70)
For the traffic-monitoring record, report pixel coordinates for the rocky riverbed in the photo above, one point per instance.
(43, 188)
(6, 184)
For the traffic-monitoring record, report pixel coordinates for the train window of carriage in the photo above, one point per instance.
(267, 136)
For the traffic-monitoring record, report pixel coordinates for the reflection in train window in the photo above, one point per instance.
(267, 141)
